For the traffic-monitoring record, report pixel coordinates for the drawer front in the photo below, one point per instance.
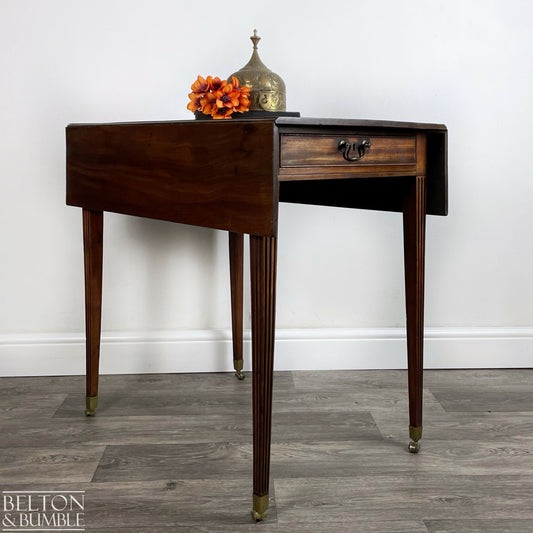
(314, 155)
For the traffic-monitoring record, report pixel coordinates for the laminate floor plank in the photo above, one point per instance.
(101, 430)
(482, 390)
(185, 429)
(53, 465)
(366, 399)
(458, 426)
(349, 381)
(314, 459)
(317, 426)
(222, 382)
(377, 526)
(482, 377)
(11, 387)
(480, 526)
(30, 405)
(214, 460)
(158, 403)
(480, 399)
(400, 497)
(317, 459)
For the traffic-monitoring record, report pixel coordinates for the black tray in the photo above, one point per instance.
(198, 115)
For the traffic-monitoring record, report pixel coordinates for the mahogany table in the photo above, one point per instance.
(231, 175)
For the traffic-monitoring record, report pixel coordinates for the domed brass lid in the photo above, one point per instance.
(267, 89)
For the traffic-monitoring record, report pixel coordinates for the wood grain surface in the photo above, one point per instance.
(208, 174)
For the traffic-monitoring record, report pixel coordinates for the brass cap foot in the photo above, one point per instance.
(415, 433)
(90, 403)
(259, 511)
(238, 366)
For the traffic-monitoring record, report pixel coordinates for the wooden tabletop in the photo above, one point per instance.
(231, 174)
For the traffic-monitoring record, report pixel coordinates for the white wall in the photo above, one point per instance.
(465, 63)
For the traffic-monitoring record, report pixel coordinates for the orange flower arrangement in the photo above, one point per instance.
(218, 98)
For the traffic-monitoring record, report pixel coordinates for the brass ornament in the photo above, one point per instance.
(267, 89)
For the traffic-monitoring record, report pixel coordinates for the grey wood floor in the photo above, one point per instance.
(174, 452)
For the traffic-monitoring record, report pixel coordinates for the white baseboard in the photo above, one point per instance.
(296, 349)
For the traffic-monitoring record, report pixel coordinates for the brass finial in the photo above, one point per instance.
(267, 89)
(255, 39)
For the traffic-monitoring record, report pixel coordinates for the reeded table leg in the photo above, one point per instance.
(263, 278)
(92, 248)
(236, 253)
(414, 225)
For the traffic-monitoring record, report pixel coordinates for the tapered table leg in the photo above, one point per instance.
(92, 248)
(263, 278)
(236, 253)
(414, 225)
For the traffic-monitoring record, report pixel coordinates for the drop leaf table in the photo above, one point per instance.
(231, 175)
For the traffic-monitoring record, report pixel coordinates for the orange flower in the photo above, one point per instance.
(207, 103)
(200, 85)
(195, 103)
(215, 83)
(235, 83)
(243, 95)
(221, 112)
(244, 104)
(227, 97)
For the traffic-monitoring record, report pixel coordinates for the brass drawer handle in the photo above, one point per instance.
(346, 148)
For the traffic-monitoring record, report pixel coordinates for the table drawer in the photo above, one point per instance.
(309, 155)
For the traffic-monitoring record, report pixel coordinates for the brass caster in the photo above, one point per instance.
(259, 511)
(414, 447)
(258, 516)
(90, 403)
(238, 365)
